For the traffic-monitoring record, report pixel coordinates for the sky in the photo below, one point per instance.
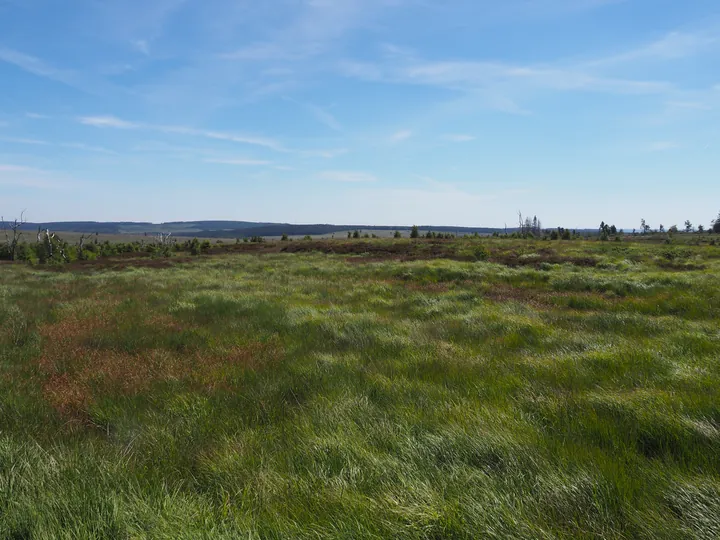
(387, 112)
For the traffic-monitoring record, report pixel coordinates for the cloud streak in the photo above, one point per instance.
(347, 176)
(401, 136)
(29, 177)
(68, 145)
(240, 162)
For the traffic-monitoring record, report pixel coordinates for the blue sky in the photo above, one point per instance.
(459, 112)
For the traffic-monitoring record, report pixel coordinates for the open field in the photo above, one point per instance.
(376, 389)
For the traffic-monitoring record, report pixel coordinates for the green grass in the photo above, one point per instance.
(305, 396)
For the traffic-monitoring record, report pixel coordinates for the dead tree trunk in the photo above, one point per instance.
(13, 234)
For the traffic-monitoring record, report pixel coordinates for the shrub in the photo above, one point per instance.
(415, 232)
(284, 238)
(481, 253)
(397, 234)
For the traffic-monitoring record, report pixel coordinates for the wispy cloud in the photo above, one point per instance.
(662, 146)
(401, 136)
(242, 162)
(118, 123)
(672, 46)
(69, 145)
(321, 114)
(141, 46)
(21, 140)
(84, 82)
(324, 117)
(251, 140)
(458, 137)
(314, 29)
(37, 116)
(477, 76)
(109, 122)
(347, 176)
(29, 177)
(497, 84)
(87, 148)
(33, 65)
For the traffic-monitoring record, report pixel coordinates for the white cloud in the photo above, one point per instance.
(347, 176)
(312, 31)
(141, 46)
(21, 140)
(662, 146)
(117, 123)
(108, 121)
(494, 83)
(31, 64)
(401, 136)
(244, 162)
(70, 145)
(29, 177)
(672, 46)
(459, 137)
(87, 148)
(36, 116)
(272, 144)
(324, 117)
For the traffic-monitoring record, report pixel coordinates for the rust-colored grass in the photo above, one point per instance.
(76, 373)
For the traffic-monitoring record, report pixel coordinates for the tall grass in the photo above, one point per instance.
(304, 396)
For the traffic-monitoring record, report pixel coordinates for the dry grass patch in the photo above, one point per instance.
(76, 372)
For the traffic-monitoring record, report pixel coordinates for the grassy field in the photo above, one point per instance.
(569, 391)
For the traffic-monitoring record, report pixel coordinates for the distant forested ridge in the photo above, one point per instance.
(233, 229)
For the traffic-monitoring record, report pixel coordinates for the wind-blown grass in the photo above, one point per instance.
(305, 396)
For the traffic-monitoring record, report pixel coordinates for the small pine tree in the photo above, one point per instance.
(415, 232)
(397, 234)
(356, 234)
(284, 238)
(195, 247)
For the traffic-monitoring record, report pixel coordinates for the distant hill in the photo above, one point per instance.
(234, 229)
(192, 228)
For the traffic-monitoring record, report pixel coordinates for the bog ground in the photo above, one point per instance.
(492, 388)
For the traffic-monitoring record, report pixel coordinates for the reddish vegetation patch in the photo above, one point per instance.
(536, 298)
(360, 251)
(136, 260)
(76, 373)
(507, 293)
